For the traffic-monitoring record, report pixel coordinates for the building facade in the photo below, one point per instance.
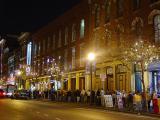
(103, 27)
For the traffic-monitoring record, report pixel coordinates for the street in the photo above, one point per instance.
(38, 110)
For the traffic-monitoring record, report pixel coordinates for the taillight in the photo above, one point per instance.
(4, 93)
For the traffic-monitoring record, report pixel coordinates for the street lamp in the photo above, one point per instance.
(91, 57)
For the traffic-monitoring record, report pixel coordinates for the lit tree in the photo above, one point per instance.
(141, 53)
(54, 69)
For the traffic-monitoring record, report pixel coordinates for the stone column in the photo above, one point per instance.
(77, 81)
(69, 82)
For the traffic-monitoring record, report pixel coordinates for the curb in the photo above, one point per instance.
(100, 107)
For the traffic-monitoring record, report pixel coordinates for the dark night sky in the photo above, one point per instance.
(24, 15)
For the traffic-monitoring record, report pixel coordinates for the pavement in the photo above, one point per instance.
(103, 108)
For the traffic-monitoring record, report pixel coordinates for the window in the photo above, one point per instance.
(137, 26)
(107, 11)
(119, 31)
(97, 16)
(73, 57)
(73, 32)
(153, 1)
(66, 36)
(60, 38)
(44, 46)
(65, 59)
(136, 4)
(54, 41)
(35, 49)
(82, 55)
(39, 48)
(157, 28)
(48, 43)
(82, 28)
(120, 8)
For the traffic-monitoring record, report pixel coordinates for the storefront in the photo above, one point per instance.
(109, 78)
(154, 73)
(138, 78)
(55, 84)
(81, 81)
(121, 77)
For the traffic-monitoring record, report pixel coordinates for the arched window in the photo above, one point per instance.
(82, 28)
(137, 26)
(73, 32)
(107, 11)
(66, 36)
(157, 28)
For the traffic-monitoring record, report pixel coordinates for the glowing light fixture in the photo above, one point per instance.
(91, 56)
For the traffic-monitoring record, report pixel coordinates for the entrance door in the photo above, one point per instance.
(73, 84)
(138, 83)
(81, 83)
(109, 82)
(121, 82)
(156, 81)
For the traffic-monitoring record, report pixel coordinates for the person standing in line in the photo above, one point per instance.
(88, 96)
(102, 97)
(138, 102)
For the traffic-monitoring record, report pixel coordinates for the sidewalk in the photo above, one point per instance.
(100, 107)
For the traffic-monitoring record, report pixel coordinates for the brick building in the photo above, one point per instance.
(102, 26)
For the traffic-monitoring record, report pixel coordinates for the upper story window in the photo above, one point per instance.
(82, 28)
(60, 38)
(65, 59)
(97, 16)
(48, 43)
(54, 41)
(66, 36)
(157, 27)
(120, 8)
(35, 49)
(73, 32)
(82, 55)
(39, 48)
(153, 1)
(107, 11)
(137, 26)
(136, 4)
(73, 57)
(44, 46)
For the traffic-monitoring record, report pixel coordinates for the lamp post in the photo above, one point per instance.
(91, 57)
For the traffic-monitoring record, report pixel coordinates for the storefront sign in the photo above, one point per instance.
(103, 77)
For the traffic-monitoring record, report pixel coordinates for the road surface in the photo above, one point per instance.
(38, 110)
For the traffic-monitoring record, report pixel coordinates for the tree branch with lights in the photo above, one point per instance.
(141, 53)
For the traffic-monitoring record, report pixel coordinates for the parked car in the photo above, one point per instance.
(2, 93)
(20, 94)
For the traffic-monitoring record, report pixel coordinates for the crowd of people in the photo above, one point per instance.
(121, 100)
